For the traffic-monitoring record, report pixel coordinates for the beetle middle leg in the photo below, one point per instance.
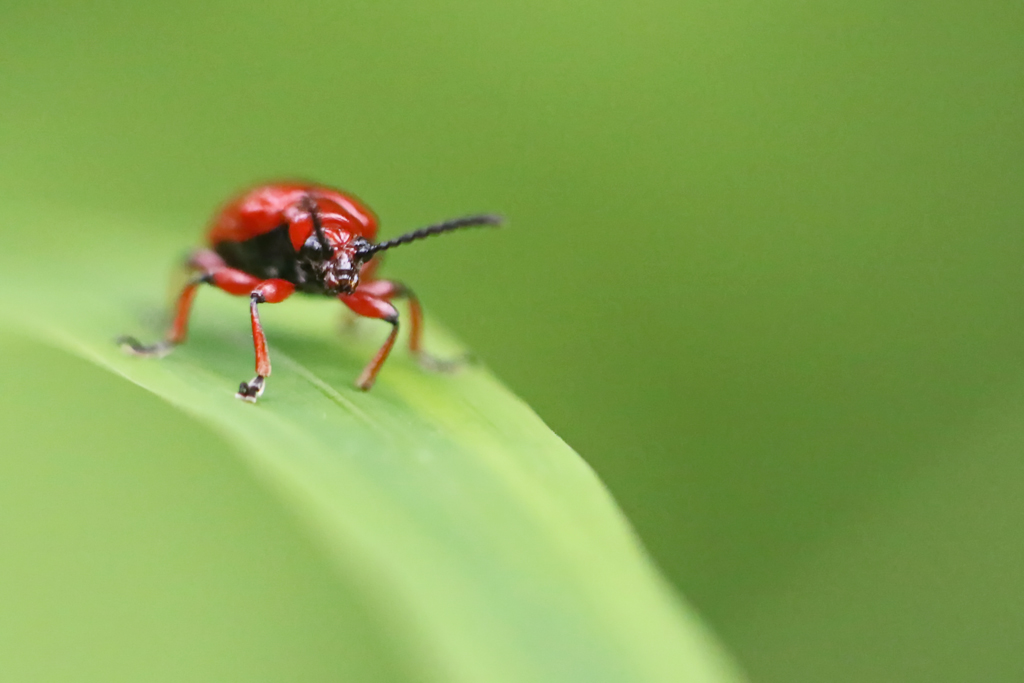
(203, 264)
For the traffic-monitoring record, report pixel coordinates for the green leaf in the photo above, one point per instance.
(482, 547)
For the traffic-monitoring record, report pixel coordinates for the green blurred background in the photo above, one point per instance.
(765, 268)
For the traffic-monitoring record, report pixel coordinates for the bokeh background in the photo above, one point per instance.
(765, 268)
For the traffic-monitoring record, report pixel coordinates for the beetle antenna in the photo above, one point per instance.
(318, 228)
(437, 229)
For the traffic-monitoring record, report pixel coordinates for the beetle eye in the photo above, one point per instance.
(362, 246)
(312, 248)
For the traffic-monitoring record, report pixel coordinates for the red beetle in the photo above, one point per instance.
(277, 239)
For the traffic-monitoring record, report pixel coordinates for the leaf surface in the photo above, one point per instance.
(481, 545)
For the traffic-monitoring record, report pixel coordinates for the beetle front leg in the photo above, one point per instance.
(269, 292)
(370, 306)
(389, 290)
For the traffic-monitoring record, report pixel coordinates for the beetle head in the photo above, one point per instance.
(331, 254)
(341, 272)
(335, 266)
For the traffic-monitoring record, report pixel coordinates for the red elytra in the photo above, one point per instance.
(282, 238)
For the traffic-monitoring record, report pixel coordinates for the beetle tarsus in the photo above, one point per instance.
(136, 348)
(251, 390)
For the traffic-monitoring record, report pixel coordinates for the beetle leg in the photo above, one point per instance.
(233, 282)
(266, 292)
(370, 306)
(388, 290)
(178, 329)
(230, 280)
(204, 263)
